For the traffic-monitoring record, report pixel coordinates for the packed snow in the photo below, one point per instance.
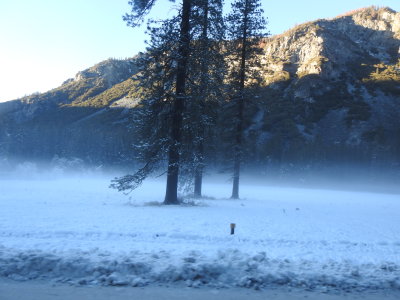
(77, 230)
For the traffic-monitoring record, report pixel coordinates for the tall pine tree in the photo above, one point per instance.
(179, 71)
(152, 118)
(245, 28)
(171, 194)
(205, 88)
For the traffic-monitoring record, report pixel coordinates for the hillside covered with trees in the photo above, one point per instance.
(323, 94)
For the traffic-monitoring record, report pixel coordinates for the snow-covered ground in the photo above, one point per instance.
(78, 230)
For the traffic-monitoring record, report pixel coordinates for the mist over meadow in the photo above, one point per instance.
(333, 176)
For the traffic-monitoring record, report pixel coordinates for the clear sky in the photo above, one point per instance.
(44, 42)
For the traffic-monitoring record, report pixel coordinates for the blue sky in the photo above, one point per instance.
(44, 42)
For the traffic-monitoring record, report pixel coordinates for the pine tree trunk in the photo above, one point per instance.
(198, 182)
(239, 129)
(171, 195)
(236, 173)
(238, 150)
(198, 176)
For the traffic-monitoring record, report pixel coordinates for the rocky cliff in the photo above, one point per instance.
(338, 82)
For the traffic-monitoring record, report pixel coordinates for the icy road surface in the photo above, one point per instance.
(80, 231)
(34, 290)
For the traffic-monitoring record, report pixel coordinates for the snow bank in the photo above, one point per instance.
(77, 230)
(223, 269)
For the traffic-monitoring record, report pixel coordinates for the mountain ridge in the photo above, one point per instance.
(329, 85)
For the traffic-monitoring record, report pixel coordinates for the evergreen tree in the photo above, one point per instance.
(152, 119)
(171, 194)
(205, 88)
(140, 8)
(245, 28)
(175, 105)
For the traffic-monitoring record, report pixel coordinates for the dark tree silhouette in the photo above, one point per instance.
(245, 29)
(139, 9)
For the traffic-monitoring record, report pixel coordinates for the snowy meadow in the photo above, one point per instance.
(77, 230)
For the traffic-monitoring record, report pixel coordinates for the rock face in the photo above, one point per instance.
(331, 89)
(111, 71)
(326, 47)
(341, 80)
